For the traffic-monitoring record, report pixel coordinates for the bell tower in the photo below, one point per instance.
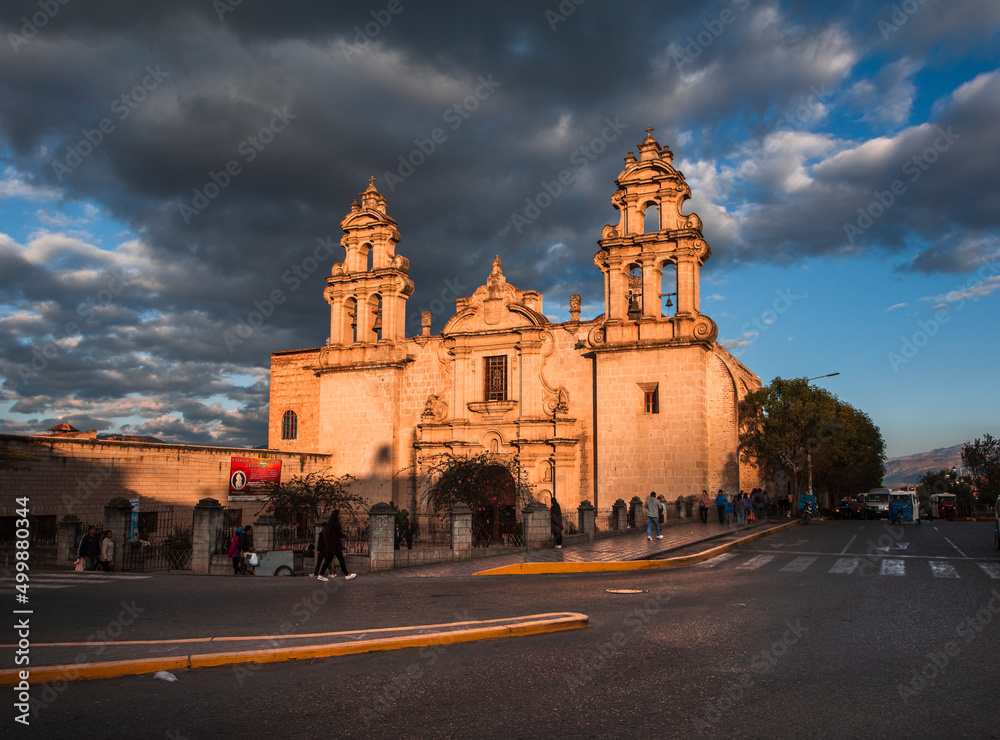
(651, 239)
(367, 292)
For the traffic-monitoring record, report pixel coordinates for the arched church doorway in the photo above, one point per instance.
(495, 520)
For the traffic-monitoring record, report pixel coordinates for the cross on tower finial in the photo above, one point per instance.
(649, 129)
(371, 181)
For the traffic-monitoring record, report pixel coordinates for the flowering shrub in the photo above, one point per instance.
(304, 499)
(483, 482)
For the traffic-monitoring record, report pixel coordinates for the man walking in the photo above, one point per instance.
(90, 549)
(652, 507)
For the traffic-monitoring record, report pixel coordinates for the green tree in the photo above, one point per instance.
(790, 426)
(982, 458)
(304, 499)
(946, 481)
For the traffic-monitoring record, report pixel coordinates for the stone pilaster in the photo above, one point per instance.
(635, 513)
(537, 525)
(69, 539)
(382, 533)
(209, 517)
(265, 530)
(586, 516)
(461, 531)
(619, 516)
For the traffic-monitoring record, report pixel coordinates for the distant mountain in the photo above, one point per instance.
(906, 470)
(130, 438)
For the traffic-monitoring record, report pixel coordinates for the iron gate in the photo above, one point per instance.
(157, 544)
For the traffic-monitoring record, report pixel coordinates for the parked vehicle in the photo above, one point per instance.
(807, 505)
(877, 503)
(904, 507)
(858, 506)
(842, 510)
(944, 506)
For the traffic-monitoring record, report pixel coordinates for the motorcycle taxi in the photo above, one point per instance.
(904, 507)
(944, 506)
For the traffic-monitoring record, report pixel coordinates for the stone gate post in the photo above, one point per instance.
(265, 532)
(209, 517)
(69, 539)
(382, 536)
(537, 525)
(619, 516)
(461, 531)
(635, 513)
(586, 517)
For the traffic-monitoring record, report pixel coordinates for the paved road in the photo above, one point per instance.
(777, 640)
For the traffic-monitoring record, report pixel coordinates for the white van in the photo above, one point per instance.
(877, 503)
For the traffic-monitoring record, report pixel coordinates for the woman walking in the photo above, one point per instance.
(107, 556)
(332, 543)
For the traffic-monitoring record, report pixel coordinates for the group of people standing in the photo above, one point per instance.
(743, 508)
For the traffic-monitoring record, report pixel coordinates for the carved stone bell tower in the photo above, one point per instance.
(652, 238)
(367, 292)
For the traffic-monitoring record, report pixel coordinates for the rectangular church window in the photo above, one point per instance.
(495, 378)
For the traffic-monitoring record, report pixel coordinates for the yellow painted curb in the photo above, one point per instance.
(516, 627)
(627, 565)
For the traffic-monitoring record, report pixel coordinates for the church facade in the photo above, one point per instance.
(641, 398)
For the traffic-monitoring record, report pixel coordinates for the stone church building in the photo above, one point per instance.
(641, 398)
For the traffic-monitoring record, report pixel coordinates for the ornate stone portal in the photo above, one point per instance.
(639, 398)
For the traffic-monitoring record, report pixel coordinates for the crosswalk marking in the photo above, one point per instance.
(892, 567)
(755, 562)
(991, 569)
(798, 565)
(943, 570)
(845, 565)
(712, 562)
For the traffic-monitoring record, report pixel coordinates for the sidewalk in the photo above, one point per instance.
(630, 546)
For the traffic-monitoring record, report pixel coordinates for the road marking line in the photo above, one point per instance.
(716, 560)
(755, 562)
(845, 565)
(955, 546)
(848, 545)
(991, 569)
(893, 568)
(943, 570)
(798, 565)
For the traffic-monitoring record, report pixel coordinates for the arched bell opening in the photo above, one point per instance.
(634, 292)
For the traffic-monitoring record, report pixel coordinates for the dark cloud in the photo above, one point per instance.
(303, 104)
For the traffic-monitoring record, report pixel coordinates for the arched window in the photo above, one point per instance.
(289, 425)
(651, 219)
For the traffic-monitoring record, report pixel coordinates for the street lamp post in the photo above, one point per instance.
(808, 451)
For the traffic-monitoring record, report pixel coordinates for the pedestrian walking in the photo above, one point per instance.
(703, 503)
(652, 507)
(246, 547)
(721, 502)
(740, 509)
(107, 557)
(333, 544)
(234, 553)
(90, 549)
(555, 518)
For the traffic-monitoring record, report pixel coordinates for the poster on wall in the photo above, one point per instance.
(253, 475)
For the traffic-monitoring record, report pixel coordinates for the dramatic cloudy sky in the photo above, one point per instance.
(843, 157)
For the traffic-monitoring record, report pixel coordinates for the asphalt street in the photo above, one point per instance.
(838, 630)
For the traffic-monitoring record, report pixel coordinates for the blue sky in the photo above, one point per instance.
(163, 168)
